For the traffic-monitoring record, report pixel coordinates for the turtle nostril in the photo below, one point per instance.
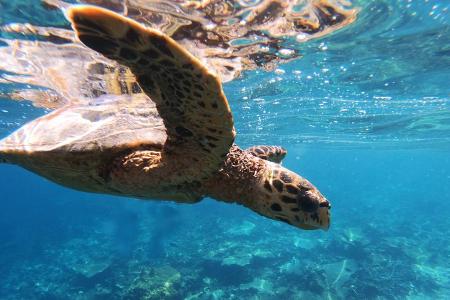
(325, 204)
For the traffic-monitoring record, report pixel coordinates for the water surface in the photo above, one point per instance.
(364, 114)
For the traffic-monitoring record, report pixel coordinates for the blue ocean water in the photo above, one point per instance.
(364, 115)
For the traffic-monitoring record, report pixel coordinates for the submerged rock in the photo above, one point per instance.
(86, 257)
(154, 283)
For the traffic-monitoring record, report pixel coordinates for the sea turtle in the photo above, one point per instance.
(176, 144)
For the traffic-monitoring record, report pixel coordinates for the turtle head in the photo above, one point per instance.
(290, 198)
(269, 189)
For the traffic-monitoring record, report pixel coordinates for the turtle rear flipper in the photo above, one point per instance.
(189, 98)
(271, 153)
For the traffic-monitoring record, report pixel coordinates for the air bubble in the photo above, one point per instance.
(301, 37)
(286, 52)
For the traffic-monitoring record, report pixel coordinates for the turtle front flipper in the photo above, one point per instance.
(271, 153)
(189, 98)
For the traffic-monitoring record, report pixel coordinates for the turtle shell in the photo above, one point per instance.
(108, 123)
(73, 144)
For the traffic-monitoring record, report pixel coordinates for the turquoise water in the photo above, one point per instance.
(365, 115)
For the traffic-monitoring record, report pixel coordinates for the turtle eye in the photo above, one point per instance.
(307, 201)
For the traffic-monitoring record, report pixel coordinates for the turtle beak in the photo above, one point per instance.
(315, 210)
(324, 214)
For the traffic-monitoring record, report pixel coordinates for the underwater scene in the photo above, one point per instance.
(357, 92)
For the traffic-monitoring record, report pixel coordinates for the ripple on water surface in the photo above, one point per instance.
(377, 82)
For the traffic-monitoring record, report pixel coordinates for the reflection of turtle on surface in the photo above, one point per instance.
(233, 36)
(229, 37)
(177, 146)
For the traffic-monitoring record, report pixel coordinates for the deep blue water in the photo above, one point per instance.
(364, 115)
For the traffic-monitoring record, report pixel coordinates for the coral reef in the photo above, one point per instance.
(234, 257)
